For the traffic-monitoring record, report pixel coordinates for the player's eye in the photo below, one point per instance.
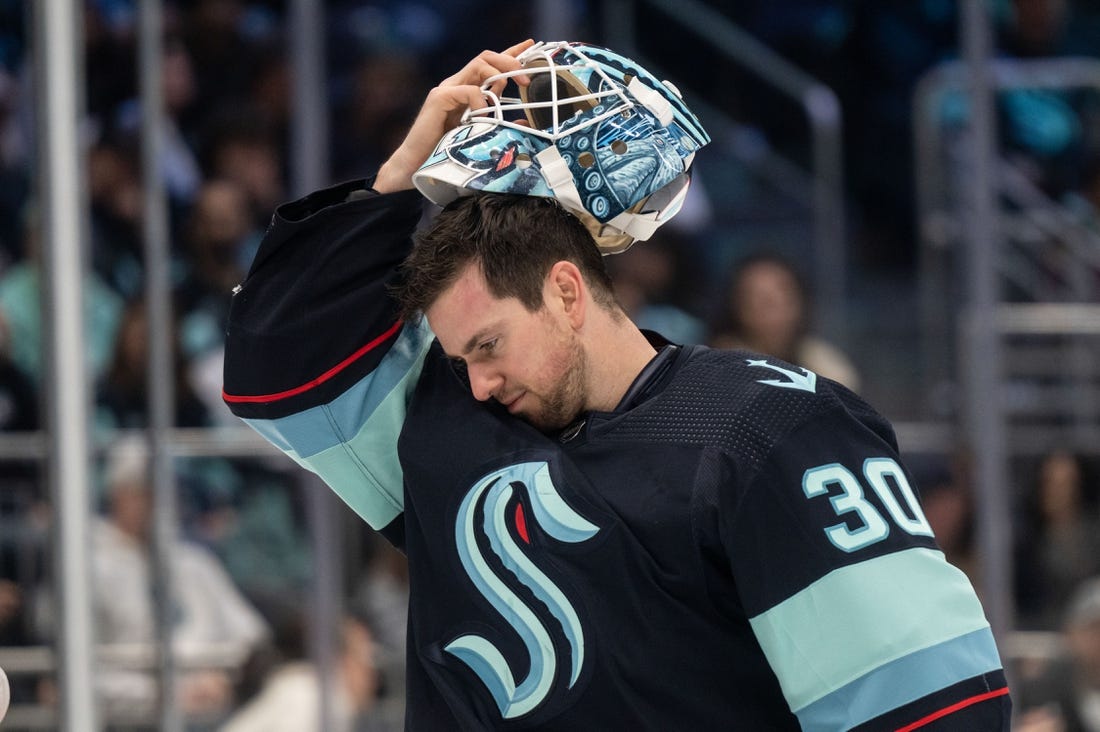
(488, 346)
(459, 367)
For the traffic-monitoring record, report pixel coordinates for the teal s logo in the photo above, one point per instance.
(516, 697)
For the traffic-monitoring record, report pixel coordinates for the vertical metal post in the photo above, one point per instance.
(309, 171)
(982, 362)
(933, 285)
(160, 377)
(309, 124)
(58, 47)
(823, 113)
(326, 589)
(823, 109)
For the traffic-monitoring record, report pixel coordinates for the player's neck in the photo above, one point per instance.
(617, 353)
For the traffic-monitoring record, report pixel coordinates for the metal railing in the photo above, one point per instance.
(323, 597)
(65, 446)
(817, 102)
(941, 216)
(969, 249)
(41, 662)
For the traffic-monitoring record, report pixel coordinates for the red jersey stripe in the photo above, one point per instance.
(953, 708)
(265, 398)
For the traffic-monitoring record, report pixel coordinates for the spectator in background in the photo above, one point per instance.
(384, 92)
(20, 304)
(383, 595)
(15, 158)
(110, 60)
(224, 57)
(290, 697)
(115, 191)
(1060, 542)
(122, 396)
(178, 165)
(208, 485)
(18, 396)
(241, 147)
(11, 611)
(646, 277)
(767, 310)
(270, 93)
(1065, 696)
(220, 240)
(20, 494)
(212, 617)
(250, 517)
(23, 523)
(1045, 132)
(947, 499)
(13, 633)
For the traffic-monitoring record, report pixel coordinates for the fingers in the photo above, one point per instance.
(451, 101)
(442, 111)
(520, 47)
(457, 99)
(506, 61)
(490, 63)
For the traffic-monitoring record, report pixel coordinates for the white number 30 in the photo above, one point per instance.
(873, 527)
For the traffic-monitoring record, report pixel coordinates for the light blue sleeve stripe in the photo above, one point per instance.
(351, 443)
(860, 617)
(317, 429)
(902, 681)
(364, 469)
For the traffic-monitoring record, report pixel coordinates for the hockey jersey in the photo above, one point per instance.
(736, 546)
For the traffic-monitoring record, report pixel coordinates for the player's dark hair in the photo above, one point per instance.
(516, 240)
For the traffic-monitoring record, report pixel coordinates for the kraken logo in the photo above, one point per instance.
(515, 697)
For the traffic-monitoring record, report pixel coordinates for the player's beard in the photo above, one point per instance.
(565, 400)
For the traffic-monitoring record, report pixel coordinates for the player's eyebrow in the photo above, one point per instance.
(479, 336)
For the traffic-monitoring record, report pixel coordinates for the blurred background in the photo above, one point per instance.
(902, 195)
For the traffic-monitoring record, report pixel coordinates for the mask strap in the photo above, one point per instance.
(652, 100)
(559, 177)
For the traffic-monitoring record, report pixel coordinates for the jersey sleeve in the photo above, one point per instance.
(863, 621)
(317, 360)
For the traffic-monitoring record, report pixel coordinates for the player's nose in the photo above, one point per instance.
(483, 382)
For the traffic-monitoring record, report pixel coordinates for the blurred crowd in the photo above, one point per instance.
(242, 559)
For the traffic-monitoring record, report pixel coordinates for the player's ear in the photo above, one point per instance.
(566, 290)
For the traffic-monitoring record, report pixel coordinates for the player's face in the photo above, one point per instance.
(530, 362)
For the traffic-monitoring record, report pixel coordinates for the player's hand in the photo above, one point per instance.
(442, 110)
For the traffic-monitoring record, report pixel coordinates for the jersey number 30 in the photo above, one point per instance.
(883, 475)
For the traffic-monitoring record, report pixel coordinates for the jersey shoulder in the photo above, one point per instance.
(743, 403)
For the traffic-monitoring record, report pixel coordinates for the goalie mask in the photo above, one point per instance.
(593, 130)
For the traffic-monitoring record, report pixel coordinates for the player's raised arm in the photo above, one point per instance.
(317, 359)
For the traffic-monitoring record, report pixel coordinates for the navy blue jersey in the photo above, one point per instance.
(736, 546)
